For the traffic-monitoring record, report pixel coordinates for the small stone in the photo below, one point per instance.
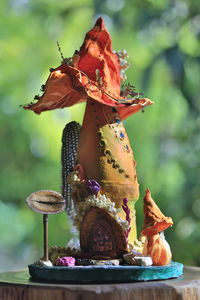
(143, 261)
(137, 259)
(85, 262)
(112, 262)
(68, 261)
(44, 263)
(128, 258)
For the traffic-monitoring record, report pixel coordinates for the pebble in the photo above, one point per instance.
(68, 261)
(112, 262)
(85, 262)
(133, 259)
(92, 262)
(136, 258)
(44, 263)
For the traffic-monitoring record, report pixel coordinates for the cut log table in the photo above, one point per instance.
(16, 285)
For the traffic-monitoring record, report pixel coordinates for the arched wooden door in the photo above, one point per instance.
(101, 235)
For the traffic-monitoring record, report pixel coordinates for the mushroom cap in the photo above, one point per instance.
(93, 73)
(154, 220)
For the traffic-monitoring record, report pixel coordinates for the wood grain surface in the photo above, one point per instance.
(17, 286)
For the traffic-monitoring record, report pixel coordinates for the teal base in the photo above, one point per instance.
(105, 274)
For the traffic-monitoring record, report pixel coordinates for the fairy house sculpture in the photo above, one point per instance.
(99, 171)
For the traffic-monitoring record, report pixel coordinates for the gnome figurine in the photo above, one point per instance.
(154, 225)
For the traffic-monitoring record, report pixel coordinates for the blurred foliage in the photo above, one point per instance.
(162, 38)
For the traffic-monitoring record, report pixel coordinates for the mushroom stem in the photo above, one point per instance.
(45, 227)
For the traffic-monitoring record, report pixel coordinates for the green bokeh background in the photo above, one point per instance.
(162, 39)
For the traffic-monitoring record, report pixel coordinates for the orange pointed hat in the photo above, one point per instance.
(76, 79)
(154, 220)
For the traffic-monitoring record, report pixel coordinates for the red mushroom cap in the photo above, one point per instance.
(93, 73)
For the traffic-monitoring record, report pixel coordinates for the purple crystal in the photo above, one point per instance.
(66, 261)
(92, 186)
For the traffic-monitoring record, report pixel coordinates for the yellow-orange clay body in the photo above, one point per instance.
(159, 250)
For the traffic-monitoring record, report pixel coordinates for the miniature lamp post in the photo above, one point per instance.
(46, 202)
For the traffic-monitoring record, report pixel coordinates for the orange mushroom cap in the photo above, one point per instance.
(154, 220)
(93, 73)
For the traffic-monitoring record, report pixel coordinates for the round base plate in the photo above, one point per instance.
(103, 274)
